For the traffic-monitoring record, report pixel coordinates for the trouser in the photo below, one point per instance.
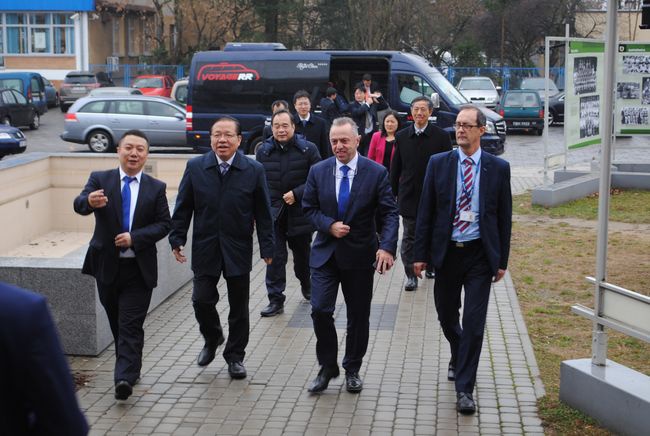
(204, 299)
(357, 290)
(126, 301)
(407, 246)
(276, 272)
(466, 268)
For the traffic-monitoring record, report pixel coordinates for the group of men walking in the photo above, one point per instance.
(455, 214)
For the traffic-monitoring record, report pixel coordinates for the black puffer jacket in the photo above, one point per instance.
(286, 170)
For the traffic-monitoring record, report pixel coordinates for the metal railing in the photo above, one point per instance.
(123, 74)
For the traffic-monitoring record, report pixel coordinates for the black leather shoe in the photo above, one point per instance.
(465, 403)
(321, 382)
(411, 284)
(209, 350)
(236, 370)
(451, 372)
(306, 292)
(272, 309)
(430, 274)
(123, 390)
(353, 382)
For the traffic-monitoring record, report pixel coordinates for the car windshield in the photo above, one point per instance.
(521, 99)
(479, 84)
(148, 82)
(447, 88)
(538, 85)
(79, 79)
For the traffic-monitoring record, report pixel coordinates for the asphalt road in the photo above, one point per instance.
(523, 150)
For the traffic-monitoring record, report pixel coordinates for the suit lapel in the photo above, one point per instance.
(114, 192)
(485, 168)
(142, 190)
(452, 180)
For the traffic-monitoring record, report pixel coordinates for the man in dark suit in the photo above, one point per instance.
(463, 229)
(331, 106)
(131, 215)
(37, 390)
(415, 144)
(286, 159)
(312, 127)
(342, 197)
(226, 192)
(363, 110)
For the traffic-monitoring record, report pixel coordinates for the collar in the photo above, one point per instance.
(229, 161)
(352, 164)
(304, 119)
(418, 131)
(138, 176)
(476, 157)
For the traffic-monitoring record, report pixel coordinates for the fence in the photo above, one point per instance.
(123, 75)
(506, 77)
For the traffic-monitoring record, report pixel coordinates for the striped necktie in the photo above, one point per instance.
(464, 203)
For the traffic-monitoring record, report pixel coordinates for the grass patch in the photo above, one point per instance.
(626, 206)
(548, 263)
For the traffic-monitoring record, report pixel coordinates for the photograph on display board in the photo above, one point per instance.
(634, 116)
(584, 75)
(589, 116)
(628, 90)
(636, 64)
(645, 93)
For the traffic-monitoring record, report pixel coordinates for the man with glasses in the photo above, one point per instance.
(287, 158)
(226, 192)
(463, 228)
(415, 144)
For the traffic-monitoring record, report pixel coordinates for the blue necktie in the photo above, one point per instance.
(126, 202)
(344, 191)
(225, 166)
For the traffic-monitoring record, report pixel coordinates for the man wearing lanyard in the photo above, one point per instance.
(463, 228)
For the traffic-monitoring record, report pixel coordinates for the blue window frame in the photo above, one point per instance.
(36, 33)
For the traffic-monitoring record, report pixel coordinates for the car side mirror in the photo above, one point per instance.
(435, 99)
(499, 89)
(179, 116)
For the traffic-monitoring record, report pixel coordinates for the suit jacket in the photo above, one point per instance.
(410, 163)
(358, 113)
(226, 209)
(378, 147)
(37, 389)
(331, 109)
(438, 207)
(316, 131)
(150, 224)
(370, 195)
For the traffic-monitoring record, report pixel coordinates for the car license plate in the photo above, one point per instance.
(521, 123)
(79, 89)
(22, 144)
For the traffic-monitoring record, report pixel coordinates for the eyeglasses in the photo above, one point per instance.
(459, 126)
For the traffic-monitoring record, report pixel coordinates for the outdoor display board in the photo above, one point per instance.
(584, 87)
(632, 108)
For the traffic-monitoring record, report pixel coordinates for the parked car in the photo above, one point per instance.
(152, 84)
(51, 94)
(179, 91)
(538, 84)
(29, 84)
(100, 122)
(479, 90)
(522, 110)
(556, 110)
(12, 141)
(114, 90)
(16, 111)
(78, 84)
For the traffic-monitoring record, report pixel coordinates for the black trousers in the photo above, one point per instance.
(126, 302)
(204, 299)
(357, 290)
(466, 268)
(276, 272)
(407, 246)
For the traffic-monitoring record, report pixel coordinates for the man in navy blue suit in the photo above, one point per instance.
(131, 215)
(37, 389)
(226, 194)
(463, 228)
(343, 194)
